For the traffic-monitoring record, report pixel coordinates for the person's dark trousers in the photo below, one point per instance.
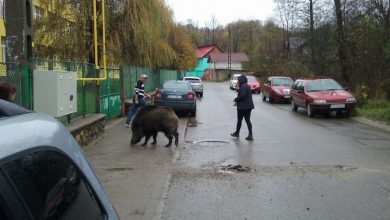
(247, 115)
(133, 110)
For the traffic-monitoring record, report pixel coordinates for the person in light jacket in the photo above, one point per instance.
(245, 105)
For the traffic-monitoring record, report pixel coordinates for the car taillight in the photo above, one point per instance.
(190, 96)
(158, 95)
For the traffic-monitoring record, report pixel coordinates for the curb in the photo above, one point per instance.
(373, 123)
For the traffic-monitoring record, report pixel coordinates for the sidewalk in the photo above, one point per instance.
(373, 123)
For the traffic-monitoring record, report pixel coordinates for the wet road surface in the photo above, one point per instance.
(296, 168)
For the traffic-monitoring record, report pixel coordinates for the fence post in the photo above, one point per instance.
(26, 86)
(122, 90)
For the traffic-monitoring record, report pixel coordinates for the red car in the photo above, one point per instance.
(321, 96)
(254, 84)
(277, 89)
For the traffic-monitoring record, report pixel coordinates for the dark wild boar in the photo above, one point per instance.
(151, 119)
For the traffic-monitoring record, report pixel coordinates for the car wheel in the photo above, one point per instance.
(271, 100)
(310, 112)
(263, 96)
(193, 112)
(293, 106)
(201, 95)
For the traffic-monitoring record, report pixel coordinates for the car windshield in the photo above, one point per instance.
(192, 80)
(322, 85)
(251, 79)
(175, 85)
(282, 82)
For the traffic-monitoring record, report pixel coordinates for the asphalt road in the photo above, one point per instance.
(296, 167)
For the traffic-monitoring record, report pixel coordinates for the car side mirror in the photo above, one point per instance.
(346, 89)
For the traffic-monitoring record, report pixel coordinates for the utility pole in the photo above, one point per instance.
(230, 54)
(19, 32)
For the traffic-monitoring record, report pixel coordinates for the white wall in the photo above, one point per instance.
(224, 65)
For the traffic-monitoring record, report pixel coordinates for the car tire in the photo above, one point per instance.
(271, 100)
(263, 97)
(293, 106)
(193, 113)
(309, 111)
(201, 95)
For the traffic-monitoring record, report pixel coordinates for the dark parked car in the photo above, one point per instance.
(178, 95)
(196, 84)
(43, 171)
(254, 84)
(277, 89)
(321, 96)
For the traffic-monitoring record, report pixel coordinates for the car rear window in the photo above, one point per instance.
(282, 82)
(322, 85)
(176, 85)
(193, 80)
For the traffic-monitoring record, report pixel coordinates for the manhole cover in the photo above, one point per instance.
(209, 143)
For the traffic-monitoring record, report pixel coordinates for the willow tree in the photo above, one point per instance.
(139, 33)
(180, 40)
(65, 28)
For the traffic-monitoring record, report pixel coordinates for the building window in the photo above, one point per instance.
(3, 55)
(37, 13)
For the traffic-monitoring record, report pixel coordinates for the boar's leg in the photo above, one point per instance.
(154, 138)
(170, 137)
(146, 139)
(176, 138)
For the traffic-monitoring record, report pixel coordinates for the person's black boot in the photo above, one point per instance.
(249, 138)
(235, 134)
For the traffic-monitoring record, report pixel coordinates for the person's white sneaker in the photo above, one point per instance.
(127, 125)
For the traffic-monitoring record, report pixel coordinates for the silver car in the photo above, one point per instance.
(196, 84)
(44, 173)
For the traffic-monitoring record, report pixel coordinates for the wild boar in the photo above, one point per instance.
(151, 119)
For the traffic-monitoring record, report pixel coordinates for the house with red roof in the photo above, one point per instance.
(202, 69)
(219, 64)
(213, 63)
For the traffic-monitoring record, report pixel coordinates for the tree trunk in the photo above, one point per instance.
(313, 58)
(342, 48)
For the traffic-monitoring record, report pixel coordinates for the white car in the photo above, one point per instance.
(196, 84)
(233, 81)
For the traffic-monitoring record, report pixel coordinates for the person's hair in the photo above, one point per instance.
(6, 90)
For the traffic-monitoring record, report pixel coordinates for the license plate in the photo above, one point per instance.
(174, 97)
(337, 106)
(287, 96)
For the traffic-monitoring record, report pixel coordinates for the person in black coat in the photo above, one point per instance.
(245, 105)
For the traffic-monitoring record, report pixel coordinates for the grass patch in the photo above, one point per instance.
(377, 109)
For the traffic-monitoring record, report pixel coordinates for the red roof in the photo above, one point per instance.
(235, 57)
(202, 52)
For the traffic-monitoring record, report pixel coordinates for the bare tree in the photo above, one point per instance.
(287, 10)
(342, 47)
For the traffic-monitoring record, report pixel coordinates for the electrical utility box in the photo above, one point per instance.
(55, 92)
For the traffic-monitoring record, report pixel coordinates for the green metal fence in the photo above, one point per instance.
(18, 75)
(105, 96)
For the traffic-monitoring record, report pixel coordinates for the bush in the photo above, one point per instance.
(378, 109)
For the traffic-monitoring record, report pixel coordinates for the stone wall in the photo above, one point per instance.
(84, 130)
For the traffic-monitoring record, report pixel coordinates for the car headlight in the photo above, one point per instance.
(277, 91)
(319, 101)
(351, 99)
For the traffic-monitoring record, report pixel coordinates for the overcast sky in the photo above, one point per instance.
(225, 11)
